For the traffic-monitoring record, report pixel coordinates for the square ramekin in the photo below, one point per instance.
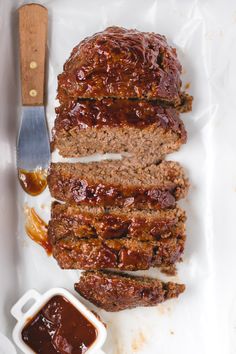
(39, 301)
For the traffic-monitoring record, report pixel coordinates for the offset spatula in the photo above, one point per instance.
(33, 148)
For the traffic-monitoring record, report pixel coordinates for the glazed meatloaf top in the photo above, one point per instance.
(117, 291)
(82, 114)
(122, 63)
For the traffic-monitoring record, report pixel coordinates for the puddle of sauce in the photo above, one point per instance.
(33, 182)
(59, 328)
(37, 229)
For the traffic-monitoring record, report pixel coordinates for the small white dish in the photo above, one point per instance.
(39, 301)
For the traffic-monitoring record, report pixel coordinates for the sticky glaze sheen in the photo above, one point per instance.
(84, 114)
(122, 63)
(83, 192)
(59, 328)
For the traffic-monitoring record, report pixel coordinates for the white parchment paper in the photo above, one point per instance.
(203, 319)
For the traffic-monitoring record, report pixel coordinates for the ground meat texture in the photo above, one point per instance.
(114, 223)
(122, 63)
(117, 291)
(95, 254)
(113, 183)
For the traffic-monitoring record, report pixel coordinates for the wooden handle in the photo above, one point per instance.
(33, 22)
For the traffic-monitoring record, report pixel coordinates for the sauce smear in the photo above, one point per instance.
(37, 229)
(59, 328)
(33, 182)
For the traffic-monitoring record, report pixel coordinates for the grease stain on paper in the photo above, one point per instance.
(119, 348)
(138, 342)
(164, 309)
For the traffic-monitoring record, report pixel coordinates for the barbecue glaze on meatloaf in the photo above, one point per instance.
(114, 223)
(113, 183)
(122, 63)
(143, 129)
(127, 254)
(117, 291)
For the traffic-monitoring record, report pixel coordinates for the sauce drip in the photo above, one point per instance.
(59, 328)
(37, 229)
(33, 182)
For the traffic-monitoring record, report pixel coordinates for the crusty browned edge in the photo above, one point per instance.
(186, 103)
(118, 291)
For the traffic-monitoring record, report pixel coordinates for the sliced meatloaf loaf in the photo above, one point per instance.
(117, 291)
(122, 63)
(113, 183)
(128, 254)
(114, 223)
(143, 129)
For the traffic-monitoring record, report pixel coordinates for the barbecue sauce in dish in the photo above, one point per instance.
(37, 229)
(33, 182)
(59, 328)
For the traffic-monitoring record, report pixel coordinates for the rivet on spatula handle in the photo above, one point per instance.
(33, 22)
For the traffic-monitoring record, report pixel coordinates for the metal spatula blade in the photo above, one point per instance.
(33, 148)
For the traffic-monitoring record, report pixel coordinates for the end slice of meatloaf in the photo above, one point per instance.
(118, 291)
(86, 222)
(122, 63)
(113, 183)
(127, 254)
(143, 129)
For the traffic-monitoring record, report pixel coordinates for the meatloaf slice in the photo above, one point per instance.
(143, 129)
(113, 183)
(122, 63)
(128, 254)
(117, 291)
(114, 223)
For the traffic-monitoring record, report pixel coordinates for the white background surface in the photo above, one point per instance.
(203, 319)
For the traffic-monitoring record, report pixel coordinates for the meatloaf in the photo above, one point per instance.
(122, 63)
(128, 254)
(143, 129)
(117, 291)
(113, 183)
(113, 223)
